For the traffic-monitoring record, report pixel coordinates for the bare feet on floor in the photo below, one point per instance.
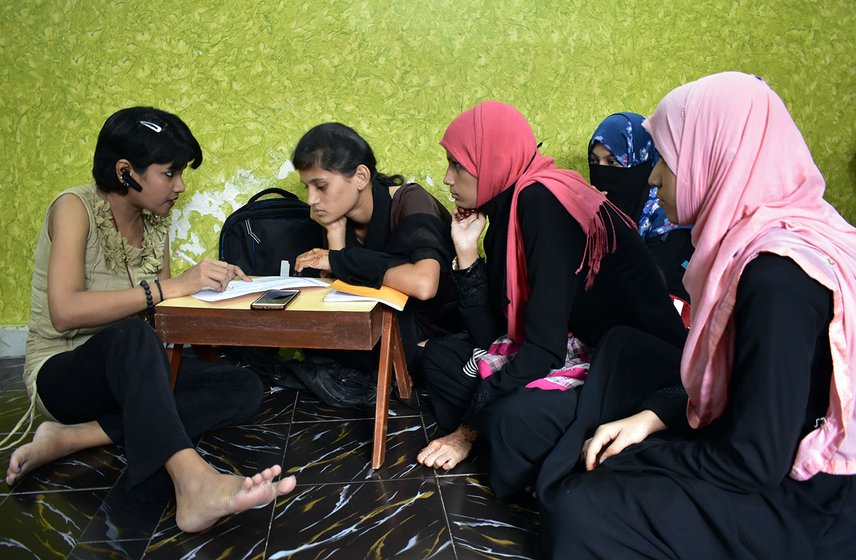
(206, 497)
(51, 441)
(446, 452)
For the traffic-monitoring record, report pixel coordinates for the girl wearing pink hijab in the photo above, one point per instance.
(559, 259)
(757, 456)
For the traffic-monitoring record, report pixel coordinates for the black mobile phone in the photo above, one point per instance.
(274, 299)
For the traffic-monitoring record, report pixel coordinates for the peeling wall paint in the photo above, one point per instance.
(205, 212)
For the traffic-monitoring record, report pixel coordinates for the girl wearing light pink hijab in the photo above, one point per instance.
(762, 462)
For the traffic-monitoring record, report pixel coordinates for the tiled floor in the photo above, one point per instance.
(341, 508)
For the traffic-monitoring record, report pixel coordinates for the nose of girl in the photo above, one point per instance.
(654, 178)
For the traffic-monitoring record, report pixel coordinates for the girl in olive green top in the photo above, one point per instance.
(99, 372)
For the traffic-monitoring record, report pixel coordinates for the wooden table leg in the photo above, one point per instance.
(384, 383)
(399, 362)
(173, 353)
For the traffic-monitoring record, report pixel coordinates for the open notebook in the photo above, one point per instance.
(344, 292)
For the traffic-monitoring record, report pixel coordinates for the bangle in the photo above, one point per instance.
(150, 306)
(160, 290)
(457, 267)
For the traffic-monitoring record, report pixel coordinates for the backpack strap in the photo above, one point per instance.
(273, 190)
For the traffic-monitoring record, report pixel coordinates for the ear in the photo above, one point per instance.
(362, 176)
(121, 165)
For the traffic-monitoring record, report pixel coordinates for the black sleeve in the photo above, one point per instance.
(781, 317)
(417, 237)
(479, 317)
(554, 244)
(670, 406)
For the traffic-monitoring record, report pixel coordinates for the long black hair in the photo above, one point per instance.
(143, 136)
(335, 147)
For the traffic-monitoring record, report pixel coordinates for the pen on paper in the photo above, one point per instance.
(184, 257)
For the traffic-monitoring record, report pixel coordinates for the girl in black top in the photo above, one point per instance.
(379, 231)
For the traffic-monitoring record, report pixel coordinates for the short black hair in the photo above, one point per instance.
(143, 136)
(335, 147)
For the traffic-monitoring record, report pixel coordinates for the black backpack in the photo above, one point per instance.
(262, 233)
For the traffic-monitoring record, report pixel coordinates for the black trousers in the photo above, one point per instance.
(120, 379)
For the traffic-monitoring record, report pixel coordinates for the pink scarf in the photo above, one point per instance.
(495, 144)
(747, 181)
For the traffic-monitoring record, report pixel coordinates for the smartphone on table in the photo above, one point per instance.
(274, 299)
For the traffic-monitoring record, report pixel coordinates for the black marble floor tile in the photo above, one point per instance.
(244, 450)
(484, 527)
(277, 407)
(236, 536)
(46, 525)
(11, 370)
(15, 404)
(123, 516)
(399, 519)
(327, 452)
(78, 507)
(310, 409)
(109, 550)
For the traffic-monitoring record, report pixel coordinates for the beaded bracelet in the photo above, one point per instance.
(160, 291)
(150, 305)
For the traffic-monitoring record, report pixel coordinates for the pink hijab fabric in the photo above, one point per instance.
(495, 144)
(747, 181)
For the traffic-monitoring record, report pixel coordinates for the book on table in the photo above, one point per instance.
(343, 292)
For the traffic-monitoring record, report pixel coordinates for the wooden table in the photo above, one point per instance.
(308, 322)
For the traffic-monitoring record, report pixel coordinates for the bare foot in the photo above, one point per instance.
(446, 452)
(204, 499)
(51, 441)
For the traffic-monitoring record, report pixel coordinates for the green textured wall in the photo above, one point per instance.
(250, 78)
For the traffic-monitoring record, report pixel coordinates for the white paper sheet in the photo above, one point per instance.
(263, 283)
(342, 297)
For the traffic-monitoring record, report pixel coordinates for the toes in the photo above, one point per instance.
(261, 477)
(268, 473)
(286, 485)
(12, 473)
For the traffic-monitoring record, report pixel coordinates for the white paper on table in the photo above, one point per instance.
(342, 297)
(335, 296)
(262, 283)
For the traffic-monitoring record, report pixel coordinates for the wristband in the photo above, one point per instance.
(160, 290)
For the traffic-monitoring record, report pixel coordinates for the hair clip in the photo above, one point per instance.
(151, 125)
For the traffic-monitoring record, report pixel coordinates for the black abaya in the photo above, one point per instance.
(626, 291)
(722, 491)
